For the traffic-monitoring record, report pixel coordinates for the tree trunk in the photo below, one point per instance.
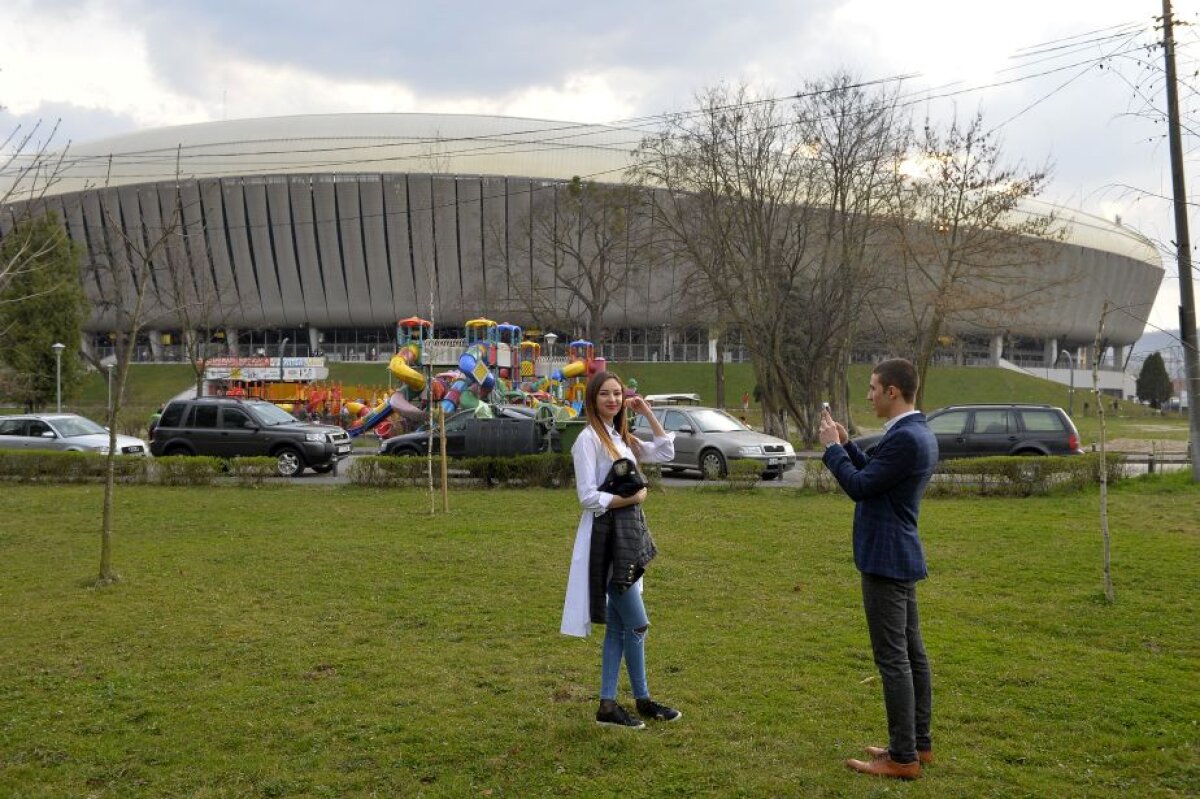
(719, 373)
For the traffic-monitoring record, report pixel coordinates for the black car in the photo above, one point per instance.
(512, 430)
(228, 427)
(980, 431)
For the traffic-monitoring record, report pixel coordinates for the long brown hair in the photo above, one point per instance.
(620, 422)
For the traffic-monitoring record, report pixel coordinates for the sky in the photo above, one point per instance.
(1070, 83)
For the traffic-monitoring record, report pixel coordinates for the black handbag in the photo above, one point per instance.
(623, 479)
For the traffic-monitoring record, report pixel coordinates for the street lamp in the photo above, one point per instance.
(1071, 397)
(550, 339)
(58, 347)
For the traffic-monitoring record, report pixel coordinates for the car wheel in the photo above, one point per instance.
(177, 450)
(325, 469)
(772, 475)
(1027, 452)
(712, 464)
(288, 462)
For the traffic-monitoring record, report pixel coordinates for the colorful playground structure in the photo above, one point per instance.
(497, 365)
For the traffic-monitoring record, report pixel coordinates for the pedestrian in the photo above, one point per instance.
(745, 401)
(613, 545)
(887, 488)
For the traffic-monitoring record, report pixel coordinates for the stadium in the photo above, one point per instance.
(326, 229)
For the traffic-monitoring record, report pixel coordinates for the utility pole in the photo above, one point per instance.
(1183, 248)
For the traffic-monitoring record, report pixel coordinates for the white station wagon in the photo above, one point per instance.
(63, 431)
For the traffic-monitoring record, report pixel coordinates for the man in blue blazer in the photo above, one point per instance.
(887, 488)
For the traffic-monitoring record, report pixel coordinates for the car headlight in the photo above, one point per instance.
(101, 448)
(315, 437)
(787, 450)
(747, 452)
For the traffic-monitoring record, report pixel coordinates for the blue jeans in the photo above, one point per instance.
(891, 607)
(624, 636)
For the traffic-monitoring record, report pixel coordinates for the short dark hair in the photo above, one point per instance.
(901, 374)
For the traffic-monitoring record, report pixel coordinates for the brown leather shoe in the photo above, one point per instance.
(886, 767)
(923, 755)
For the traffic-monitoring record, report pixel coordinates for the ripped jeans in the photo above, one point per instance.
(624, 636)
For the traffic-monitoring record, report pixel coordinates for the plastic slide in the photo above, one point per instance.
(473, 369)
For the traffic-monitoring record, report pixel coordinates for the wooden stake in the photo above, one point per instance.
(442, 441)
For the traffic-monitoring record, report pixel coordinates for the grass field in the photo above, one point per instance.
(339, 642)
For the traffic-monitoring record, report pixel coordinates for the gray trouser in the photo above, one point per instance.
(891, 607)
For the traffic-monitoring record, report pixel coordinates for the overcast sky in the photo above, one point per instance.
(111, 66)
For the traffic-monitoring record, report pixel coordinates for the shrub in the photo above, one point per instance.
(188, 470)
(389, 470)
(743, 474)
(1022, 476)
(69, 467)
(252, 472)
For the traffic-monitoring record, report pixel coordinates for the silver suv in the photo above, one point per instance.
(228, 427)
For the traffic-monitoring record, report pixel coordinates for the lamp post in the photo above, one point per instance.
(550, 339)
(58, 347)
(1071, 397)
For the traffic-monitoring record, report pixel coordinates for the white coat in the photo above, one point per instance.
(592, 463)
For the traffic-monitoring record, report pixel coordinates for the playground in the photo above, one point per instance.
(494, 363)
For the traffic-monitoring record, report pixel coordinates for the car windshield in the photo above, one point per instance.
(712, 421)
(77, 426)
(271, 415)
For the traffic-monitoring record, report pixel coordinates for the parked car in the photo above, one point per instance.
(63, 431)
(228, 427)
(707, 439)
(513, 430)
(980, 431)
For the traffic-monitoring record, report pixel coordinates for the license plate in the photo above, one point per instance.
(772, 461)
(343, 448)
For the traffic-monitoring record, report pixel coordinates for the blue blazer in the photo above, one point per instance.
(887, 489)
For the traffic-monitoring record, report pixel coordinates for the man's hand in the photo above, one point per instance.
(831, 432)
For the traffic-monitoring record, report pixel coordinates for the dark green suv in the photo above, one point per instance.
(228, 428)
(980, 431)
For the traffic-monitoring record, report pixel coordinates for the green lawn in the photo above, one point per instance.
(308, 641)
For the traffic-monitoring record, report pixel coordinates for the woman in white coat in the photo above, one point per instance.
(606, 439)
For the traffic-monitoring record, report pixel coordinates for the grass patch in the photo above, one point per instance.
(340, 642)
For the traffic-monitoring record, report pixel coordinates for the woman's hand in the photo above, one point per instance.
(633, 499)
(638, 404)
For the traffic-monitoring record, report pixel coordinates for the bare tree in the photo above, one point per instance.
(734, 196)
(588, 241)
(965, 241)
(200, 302)
(856, 135)
(28, 169)
(127, 274)
(776, 206)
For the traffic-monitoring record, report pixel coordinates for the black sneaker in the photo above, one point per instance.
(653, 710)
(618, 717)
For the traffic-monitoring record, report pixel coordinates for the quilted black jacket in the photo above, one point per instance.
(620, 538)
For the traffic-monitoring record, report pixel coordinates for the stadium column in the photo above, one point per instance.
(712, 346)
(231, 341)
(996, 349)
(314, 340)
(155, 338)
(1050, 354)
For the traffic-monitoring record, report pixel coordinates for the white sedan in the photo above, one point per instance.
(65, 432)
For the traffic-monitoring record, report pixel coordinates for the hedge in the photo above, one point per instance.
(69, 467)
(547, 470)
(1007, 475)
